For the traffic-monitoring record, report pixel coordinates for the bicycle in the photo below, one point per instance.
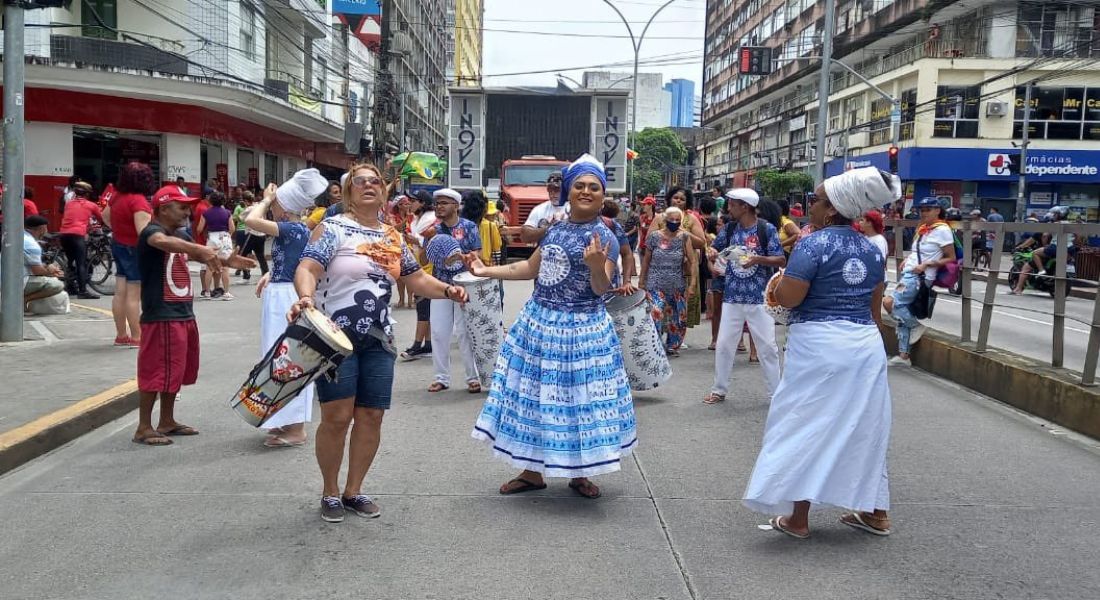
(101, 261)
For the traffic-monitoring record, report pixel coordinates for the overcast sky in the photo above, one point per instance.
(505, 52)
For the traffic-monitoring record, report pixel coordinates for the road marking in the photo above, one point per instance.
(44, 331)
(94, 309)
(1022, 318)
(37, 426)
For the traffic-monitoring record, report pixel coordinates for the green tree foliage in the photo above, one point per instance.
(776, 185)
(659, 151)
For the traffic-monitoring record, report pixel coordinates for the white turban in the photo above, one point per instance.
(855, 192)
(297, 194)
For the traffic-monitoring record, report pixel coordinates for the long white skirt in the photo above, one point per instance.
(828, 427)
(276, 303)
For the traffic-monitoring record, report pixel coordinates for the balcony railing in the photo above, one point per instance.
(110, 53)
(930, 49)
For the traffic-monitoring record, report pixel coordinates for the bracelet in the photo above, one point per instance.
(447, 292)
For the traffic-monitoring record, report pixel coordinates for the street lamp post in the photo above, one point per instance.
(637, 43)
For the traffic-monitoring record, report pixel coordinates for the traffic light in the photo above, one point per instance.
(754, 60)
(893, 154)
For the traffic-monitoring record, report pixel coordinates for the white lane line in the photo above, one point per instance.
(1001, 312)
(44, 331)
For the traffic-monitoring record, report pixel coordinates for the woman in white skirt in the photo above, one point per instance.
(560, 403)
(286, 428)
(828, 426)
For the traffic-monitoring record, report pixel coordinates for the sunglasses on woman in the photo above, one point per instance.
(365, 180)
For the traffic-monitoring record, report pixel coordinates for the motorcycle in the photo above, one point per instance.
(1043, 281)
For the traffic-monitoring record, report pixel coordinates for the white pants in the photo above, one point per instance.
(447, 319)
(762, 330)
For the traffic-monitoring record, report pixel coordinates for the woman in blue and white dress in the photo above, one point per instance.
(560, 403)
(286, 428)
(828, 426)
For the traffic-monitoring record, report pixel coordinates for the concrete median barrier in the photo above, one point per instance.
(29, 441)
(1052, 394)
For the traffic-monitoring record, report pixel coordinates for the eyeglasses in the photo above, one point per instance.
(365, 180)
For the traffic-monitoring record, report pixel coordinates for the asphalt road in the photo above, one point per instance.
(1022, 324)
(987, 504)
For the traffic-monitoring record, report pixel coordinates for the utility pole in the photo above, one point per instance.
(1021, 192)
(383, 85)
(823, 89)
(11, 264)
(637, 43)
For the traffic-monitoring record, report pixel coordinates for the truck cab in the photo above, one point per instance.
(523, 187)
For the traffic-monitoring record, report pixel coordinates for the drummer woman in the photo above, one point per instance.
(560, 405)
(351, 265)
(287, 427)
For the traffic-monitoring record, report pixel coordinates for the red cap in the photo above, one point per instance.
(170, 193)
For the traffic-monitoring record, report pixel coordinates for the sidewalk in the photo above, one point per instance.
(986, 504)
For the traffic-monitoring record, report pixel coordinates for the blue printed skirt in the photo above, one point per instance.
(560, 402)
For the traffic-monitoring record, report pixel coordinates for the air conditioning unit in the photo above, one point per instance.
(996, 109)
(859, 140)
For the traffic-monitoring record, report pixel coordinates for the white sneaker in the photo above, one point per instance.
(898, 361)
(916, 334)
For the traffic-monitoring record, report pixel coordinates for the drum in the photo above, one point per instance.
(484, 321)
(643, 352)
(781, 314)
(311, 346)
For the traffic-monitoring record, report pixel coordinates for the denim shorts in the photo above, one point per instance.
(367, 374)
(126, 264)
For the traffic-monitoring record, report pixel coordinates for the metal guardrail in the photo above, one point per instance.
(966, 228)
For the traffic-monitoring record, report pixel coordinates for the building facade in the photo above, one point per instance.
(418, 69)
(958, 71)
(681, 102)
(654, 104)
(468, 40)
(234, 92)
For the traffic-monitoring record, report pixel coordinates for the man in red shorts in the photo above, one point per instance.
(169, 355)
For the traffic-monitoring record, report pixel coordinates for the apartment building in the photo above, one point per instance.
(468, 41)
(418, 64)
(236, 91)
(959, 71)
(654, 101)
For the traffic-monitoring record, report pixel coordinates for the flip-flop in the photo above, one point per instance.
(473, 387)
(713, 398)
(180, 430)
(278, 442)
(776, 523)
(579, 489)
(526, 487)
(436, 387)
(855, 521)
(155, 439)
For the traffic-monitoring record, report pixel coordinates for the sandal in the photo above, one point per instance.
(153, 439)
(585, 488)
(436, 387)
(754, 360)
(525, 486)
(711, 347)
(180, 430)
(473, 387)
(777, 524)
(276, 441)
(713, 398)
(860, 521)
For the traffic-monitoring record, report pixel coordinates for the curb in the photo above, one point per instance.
(29, 441)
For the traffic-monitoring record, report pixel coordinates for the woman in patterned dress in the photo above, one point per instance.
(560, 403)
(287, 427)
(668, 255)
(352, 263)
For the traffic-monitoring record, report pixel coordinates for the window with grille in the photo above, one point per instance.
(248, 30)
(101, 27)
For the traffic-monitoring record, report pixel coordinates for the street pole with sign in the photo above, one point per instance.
(11, 263)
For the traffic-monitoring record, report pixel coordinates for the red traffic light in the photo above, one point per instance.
(893, 151)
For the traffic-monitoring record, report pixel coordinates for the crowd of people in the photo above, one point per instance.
(559, 402)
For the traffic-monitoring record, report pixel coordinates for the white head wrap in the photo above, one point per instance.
(297, 194)
(855, 192)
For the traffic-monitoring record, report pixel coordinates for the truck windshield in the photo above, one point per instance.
(528, 174)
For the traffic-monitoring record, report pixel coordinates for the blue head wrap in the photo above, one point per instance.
(585, 165)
